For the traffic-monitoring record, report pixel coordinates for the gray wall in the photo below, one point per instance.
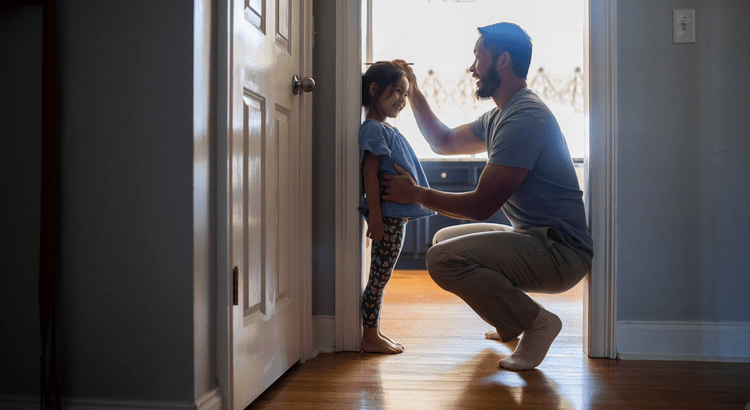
(683, 176)
(135, 257)
(126, 185)
(324, 167)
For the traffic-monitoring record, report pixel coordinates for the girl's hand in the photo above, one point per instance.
(375, 229)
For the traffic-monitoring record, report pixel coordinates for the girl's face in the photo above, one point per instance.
(392, 101)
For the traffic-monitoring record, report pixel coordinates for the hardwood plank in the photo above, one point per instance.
(449, 365)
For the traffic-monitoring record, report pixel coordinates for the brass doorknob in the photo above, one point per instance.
(306, 84)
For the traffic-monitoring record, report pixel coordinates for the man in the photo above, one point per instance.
(529, 173)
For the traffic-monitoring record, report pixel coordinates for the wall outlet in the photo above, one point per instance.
(683, 26)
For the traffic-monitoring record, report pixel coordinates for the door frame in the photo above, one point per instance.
(349, 247)
(600, 298)
(223, 77)
(601, 177)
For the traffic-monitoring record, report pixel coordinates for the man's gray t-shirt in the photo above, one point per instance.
(526, 135)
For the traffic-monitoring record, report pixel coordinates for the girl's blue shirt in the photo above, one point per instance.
(388, 143)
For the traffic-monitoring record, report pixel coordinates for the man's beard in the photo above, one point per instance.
(490, 83)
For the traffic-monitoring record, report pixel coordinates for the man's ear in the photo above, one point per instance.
(373, 88)
(503, 61)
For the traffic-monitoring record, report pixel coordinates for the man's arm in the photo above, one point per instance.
(496, 184)
(442, 139)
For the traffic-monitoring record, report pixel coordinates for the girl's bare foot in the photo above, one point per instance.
(373, 342)
(390, 340)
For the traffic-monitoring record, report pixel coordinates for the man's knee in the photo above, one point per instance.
(439, 265)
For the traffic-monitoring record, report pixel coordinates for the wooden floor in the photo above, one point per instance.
(448, 364)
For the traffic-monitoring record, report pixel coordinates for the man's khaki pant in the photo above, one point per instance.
(492, 267)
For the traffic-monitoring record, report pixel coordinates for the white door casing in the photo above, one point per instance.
(600, 301)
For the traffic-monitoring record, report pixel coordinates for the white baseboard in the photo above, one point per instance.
(683, 341)
(212, 400)
(324, 329)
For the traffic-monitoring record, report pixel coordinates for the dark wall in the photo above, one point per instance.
(20, 177)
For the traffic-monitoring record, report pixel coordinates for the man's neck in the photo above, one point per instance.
(505, 93)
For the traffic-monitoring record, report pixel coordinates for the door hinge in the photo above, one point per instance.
(235, 287)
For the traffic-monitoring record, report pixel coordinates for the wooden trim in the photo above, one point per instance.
(600, 299)
(348, 230)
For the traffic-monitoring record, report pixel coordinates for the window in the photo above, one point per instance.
(439, 36)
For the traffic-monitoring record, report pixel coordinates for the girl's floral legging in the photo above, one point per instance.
(384, 256)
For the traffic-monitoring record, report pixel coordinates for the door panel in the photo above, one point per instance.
(264, 193)
(248, 164)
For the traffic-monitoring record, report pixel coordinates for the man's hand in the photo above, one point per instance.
(375, 229)
(399, 188)
(409, 75)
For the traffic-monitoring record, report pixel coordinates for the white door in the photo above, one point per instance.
(264, 190)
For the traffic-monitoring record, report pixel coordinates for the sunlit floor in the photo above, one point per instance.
(448, 364)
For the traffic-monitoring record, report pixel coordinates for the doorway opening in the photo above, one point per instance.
(439, 42)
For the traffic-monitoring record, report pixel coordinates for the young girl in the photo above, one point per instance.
(384, 89)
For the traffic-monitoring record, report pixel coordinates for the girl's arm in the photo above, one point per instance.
(370, 168)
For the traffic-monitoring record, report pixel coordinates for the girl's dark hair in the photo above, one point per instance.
(382, 73)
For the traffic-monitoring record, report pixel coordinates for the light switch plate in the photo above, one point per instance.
(683, 26)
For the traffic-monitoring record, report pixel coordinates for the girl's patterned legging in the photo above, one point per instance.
(384, 256)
